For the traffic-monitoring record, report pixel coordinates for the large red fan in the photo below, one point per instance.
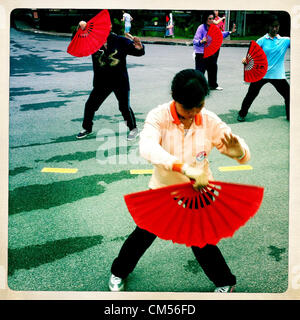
(256, 63)
(195, 218)
(91, 39)
(214, 41)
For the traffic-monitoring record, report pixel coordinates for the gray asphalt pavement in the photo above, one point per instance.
(65, 229)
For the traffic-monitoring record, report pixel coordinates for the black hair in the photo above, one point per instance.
(271, 19)
(189, 88)
(206, 15)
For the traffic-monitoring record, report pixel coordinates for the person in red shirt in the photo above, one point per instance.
(219, 22)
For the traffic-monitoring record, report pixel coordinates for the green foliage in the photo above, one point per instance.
(73, 28)
(117, 26)
(186, 26)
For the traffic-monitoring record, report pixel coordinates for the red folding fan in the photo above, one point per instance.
(214, 41)
(91, 39)
(256, 63)
(195, 218)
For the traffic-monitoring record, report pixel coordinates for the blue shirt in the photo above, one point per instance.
(275, 50)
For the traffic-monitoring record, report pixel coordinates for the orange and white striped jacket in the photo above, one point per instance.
(164, 141)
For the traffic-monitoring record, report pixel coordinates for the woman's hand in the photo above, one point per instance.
(82, 25)
(232, 144)
(233, 28)
(244, 61)
(198, 175)
(137, 43)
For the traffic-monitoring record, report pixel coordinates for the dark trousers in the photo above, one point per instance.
(97, 97)
(209, 257)
(210, 65)
(281, 85)
(217, 55)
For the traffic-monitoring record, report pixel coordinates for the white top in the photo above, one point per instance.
(127, 18)
(163, 141)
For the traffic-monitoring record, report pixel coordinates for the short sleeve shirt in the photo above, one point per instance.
(127, 18)
(275, 50)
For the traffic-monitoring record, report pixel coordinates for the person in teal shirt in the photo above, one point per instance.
(275, 48)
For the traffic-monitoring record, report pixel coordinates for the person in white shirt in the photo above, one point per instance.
(127, 18)
(174, 137)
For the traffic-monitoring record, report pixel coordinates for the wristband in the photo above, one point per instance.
(179, 167)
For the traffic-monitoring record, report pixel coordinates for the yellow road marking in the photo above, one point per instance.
(60, 170)
(236, 168)
(141, 171)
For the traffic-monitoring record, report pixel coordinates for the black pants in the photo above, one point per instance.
(97, 97)
(209, 257)
(281, 85)
(210, 65)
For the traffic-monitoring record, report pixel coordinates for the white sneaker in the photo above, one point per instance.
(225, 289)
(133, 134)
(115, 283)
(219, 88)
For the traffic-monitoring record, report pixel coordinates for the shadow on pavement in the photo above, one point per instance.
(45, 196)
(110, 119)
(71, 138)
(36, 255)
(273, 113)
(18, 170)
(82, 156)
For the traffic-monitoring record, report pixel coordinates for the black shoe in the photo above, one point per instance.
(82, 134)
(240, 118)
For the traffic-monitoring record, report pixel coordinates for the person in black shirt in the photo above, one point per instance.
(110, 75)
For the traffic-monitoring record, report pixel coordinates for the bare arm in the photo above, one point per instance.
(219, 20)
